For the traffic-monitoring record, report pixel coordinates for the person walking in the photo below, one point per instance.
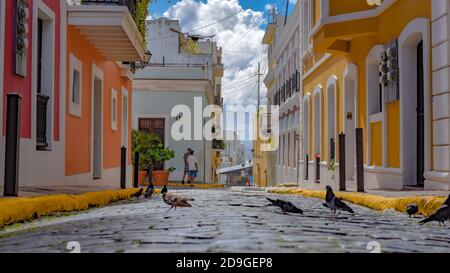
(193, 167)
(186, 165)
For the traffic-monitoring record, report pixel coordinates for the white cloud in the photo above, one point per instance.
(240, 37)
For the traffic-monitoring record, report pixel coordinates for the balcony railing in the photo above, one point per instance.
(130, 4)
(41, 121)
(288, 89)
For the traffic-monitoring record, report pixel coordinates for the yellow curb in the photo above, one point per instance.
(15, 210)
(427, 204)
(198, 186)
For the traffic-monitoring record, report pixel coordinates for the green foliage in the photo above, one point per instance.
(150, 149)
(143, 143)
(159, 154)
(218, 144)
(141, 15)
(188, 45)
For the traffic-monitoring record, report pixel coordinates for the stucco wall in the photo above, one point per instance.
(160, 104)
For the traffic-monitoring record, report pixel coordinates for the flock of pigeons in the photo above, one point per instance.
(169, 198)
(335, 204)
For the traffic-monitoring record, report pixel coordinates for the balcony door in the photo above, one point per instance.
(420, 117)
(44, 75)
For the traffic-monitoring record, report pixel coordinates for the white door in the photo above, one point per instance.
(97, 137)
(350, 117)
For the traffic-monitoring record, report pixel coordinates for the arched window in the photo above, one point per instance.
(374, 89)
(306, 126)
(318, 121)
(331, 117)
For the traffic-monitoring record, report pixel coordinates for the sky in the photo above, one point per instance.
(239, 35)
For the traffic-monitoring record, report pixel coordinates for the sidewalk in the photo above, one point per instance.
(52, 190)
(428, 201)
(36, 202)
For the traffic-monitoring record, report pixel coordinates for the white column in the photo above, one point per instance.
(439, 178)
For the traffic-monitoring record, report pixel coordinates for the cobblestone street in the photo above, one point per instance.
(225, 221)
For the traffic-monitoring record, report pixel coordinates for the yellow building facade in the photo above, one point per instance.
(380, 68)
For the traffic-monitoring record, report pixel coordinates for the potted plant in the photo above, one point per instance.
(159, 154)
(143, 143)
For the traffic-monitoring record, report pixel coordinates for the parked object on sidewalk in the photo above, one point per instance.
(334, 203)
(285, 206)
(158, 155)
(149, 192)
(441, 215)
(138, 194)
(412, 210)
(176, 201)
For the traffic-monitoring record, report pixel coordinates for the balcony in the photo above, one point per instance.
(289, 88)
(130, 4)
(109, 26)
(41, 121)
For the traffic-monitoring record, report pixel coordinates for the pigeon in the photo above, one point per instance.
(441, 215)
(285, 206)
(164, 190)
(175, 201)
(334, 203)
(447, 202)
(138, 193)
(412, 210)
(149, 192)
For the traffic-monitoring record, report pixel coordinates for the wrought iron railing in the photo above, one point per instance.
(130, 4)
(41, 121)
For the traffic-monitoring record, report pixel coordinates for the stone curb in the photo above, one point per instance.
(16, 210)
(427, 204)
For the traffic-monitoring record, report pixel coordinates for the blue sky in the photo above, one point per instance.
(158, 8)
(240, 36)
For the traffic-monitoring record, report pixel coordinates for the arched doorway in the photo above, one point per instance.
(306, 134)
(331, 118)
(414, 50)
(350, 118)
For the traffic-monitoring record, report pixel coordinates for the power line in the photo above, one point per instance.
(205, 26)
(239, 84)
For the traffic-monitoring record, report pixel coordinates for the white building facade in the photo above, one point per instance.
(176, 77)
(284, 89)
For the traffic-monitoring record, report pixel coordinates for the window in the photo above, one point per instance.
(114, 109)
(75, 88)
(374, 89)
(125, 118)
(289, 150)
(318, 121)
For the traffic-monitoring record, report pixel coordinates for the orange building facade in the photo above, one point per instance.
(98, 101)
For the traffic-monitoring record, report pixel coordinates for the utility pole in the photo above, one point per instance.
(259, 88)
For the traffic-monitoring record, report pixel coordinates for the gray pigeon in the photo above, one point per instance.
(441, 215)
(164, 190)
(447, 202)
(138, 193)
(285, 206)
(334, 203)
(412, 210)
(149, 192)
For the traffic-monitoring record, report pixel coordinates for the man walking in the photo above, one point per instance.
(186, 165)
(193, 167)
